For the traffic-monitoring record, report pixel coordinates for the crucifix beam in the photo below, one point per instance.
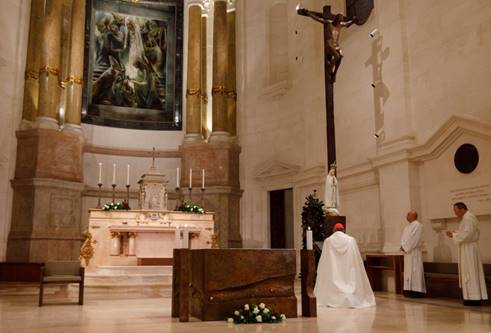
(332, 24)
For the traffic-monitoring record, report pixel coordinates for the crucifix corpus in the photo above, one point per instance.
(333, 23)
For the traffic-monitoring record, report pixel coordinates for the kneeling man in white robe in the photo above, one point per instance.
(342, 281)
(471, 273)
(412, 246)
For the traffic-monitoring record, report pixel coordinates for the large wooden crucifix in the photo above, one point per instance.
(333, 23)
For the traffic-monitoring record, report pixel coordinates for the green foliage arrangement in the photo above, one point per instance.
(190, 208)
(313, 217)
(116, 206)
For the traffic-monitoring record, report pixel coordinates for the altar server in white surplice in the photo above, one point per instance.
(412, 246)
(471, 273)
(342, 281)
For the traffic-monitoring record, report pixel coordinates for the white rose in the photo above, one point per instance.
(282, 316)
(246, 307)
(242, 317)
(230, 320)
(266, 310)
(255, 311)
(262, 305)
(274, 318)
(236, 313)
(259, 319)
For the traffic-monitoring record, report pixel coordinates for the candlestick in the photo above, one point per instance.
(177, 237)
(185, 238)
(178, 178)
(178, 194)
(190, 178)
(203, 197)
(100, 173)
(128, 194)
(99, 196)
(114, 173)
(310, 244)
(128, 176)
(114, 192)
(190, 189)
(202, 178)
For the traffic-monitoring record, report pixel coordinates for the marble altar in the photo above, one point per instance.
(121, 240)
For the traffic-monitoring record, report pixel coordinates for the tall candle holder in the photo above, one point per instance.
(178, 194)
(99, 196)
(128, 193)
(202, 201)
(190, 189)
(114, 192)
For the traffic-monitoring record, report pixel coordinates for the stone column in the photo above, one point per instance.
(49, 82)
(73, 82)
(220, 64)
(231, 76)
(131, 243)
(115, 243)
(31, 87)
(193, 91)
(204, 77)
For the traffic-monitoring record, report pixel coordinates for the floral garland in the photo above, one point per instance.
(190, 209)
(116, 206)
(252, 314)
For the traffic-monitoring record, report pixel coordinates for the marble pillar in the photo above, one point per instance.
(222, 195)
(47, 201)
(73, 82)
(31, 87)
(231, 76)
(220, 65)
(193, 91)
(115, 243)
(49, 72)
(205, 132)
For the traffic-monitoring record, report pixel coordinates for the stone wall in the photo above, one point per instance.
(430, 70)
(14, 19)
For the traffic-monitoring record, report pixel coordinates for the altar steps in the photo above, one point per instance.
(129, 276)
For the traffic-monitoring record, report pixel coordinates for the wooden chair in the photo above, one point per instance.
(58, 272)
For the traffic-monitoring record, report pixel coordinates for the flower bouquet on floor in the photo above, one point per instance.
(253, 314)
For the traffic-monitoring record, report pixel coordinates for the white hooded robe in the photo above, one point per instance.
(341, 277)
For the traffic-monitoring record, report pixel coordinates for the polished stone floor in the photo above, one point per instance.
(140, 311)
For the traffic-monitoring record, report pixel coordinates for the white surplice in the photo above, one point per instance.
(341, 277)
(412, 243)
(471, 274)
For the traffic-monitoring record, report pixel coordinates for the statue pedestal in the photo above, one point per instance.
(330, 221)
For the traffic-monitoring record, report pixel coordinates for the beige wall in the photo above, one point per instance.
(432, 74)
(14, 24)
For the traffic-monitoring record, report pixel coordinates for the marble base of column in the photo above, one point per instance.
(193, 138)
(72, 128)
(26, 124)
(46, 122)
(220, 136)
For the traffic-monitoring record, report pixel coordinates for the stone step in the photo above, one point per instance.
(118, 276)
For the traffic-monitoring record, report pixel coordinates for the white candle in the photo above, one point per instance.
(100, 173)
(185, 238)
(202, 178)
(177, 238)
(310, 245)
(190, 178)
(114, 173)
(178, 178)
(128, 176)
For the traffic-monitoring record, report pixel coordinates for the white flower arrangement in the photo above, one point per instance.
(252, 313)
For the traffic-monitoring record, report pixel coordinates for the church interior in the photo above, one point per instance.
(167, 164)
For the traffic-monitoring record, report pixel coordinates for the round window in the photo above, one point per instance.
(466, 158)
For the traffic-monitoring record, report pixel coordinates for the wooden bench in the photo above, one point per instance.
(442, 279)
